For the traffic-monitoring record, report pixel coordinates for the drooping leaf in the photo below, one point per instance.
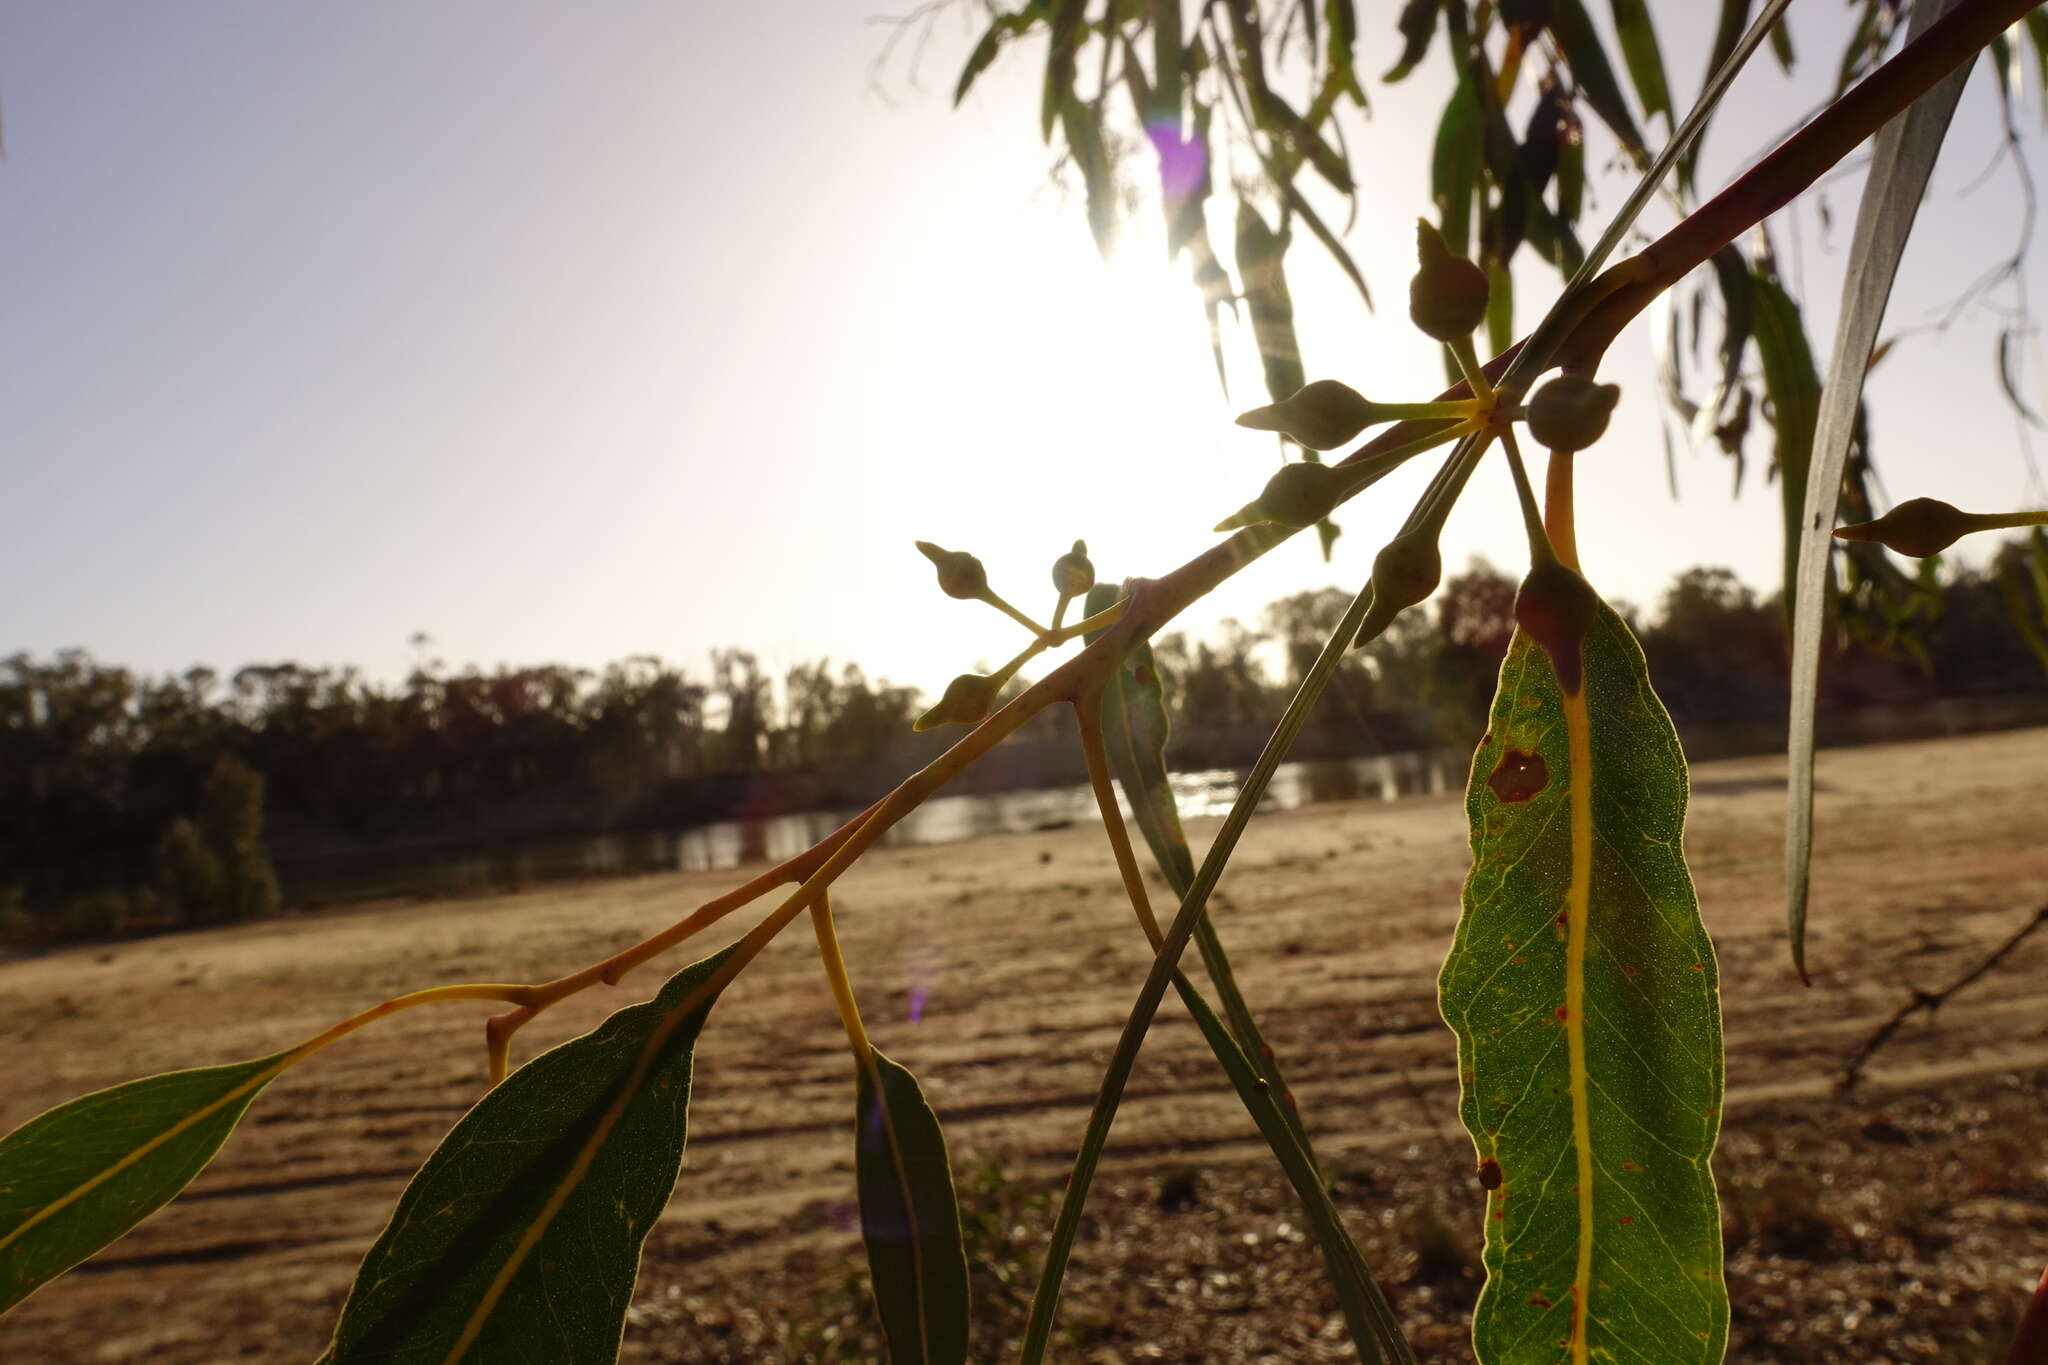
(1571, 174)
(1262, 274)
(1342, 24)
(1738, 314)
(1793, 385)
(1417, 25)
(1305, 211)
(1455, 165)
(1135, 729)
(1861, 50)
(1005, 27)
(1082, 124)
(1582, 987)
(1727, 32)
(1903, 158)
(1573, 29)
(910, 1219)
(1061, 49)
(1167, 74)
(519, 1239)
(1644, 58)
(1781, 45)
(1500, 307)
(76, 1178)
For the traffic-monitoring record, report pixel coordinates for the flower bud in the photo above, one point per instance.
(966, 702)
(1321, 416)
(1570, 412)
(1556, 608)
(1405, 572)
(1918, 527)
(960, 573)
(1072, 574)
(1447, 297)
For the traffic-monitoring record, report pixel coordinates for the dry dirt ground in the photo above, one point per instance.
(1903, 1222)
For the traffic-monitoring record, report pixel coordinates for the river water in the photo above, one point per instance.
(940, 820)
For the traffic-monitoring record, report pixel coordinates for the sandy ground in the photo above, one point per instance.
(1902, 1222)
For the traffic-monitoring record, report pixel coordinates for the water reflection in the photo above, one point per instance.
(941, 820)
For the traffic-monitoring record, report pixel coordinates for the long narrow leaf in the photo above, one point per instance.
(1164, 969)
(74, 1179)
(1582, 987)
(1645, 59)
(1573, 29)
(1135, 731)
(1793, 383)
(910, 1219)
(519, 1239)
(1899, 168)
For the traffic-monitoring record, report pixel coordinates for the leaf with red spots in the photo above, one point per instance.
(1582, 988)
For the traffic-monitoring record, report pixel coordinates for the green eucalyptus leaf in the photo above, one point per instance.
(1781, 45)
(1455, 166)
(1571, 179)
(1738, 314)
(1342, 23)
(1727, 32)
(1061, 49)
(519, 1239)
(1500, 307)
(1644, 58)
(78, 1177)
(1167, 71)
(1900, 164)
(1573, 29)
(1417, 25)
(1261, 271)
(1582, 987)
(1135, 728)
(910, 1219)
(1793, 385)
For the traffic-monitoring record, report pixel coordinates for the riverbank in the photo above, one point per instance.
(1901, 1223)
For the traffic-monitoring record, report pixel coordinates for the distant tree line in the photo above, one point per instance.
(130, 802)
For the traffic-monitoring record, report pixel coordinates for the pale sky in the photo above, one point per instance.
(568, 332)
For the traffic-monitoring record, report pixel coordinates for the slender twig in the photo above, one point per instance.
(1931, 1001)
